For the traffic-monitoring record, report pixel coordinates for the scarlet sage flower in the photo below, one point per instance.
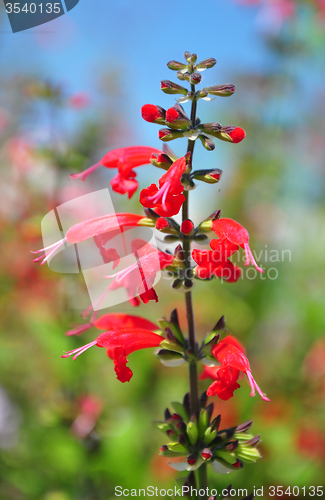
(216, 262)
(232, 359)
(114, 321)
(105, 227)
(138, 279)
(119, 344)
(231, 233)
(125, 160)
(168, 199)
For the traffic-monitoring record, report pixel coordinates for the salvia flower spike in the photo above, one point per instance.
(193, 433)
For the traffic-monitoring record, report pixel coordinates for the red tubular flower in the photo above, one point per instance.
(230, 232)
(138, 279)
(232, 359)
(119, 344)
(168, 199)
(125, 160)
(216, 261)
(105, 228)
(114, 321)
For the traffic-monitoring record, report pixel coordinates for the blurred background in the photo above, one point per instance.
(70, 91)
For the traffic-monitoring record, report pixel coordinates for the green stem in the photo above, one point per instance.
(202, 479)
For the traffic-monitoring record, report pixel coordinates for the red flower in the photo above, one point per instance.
(138, 279)
(105, 228)
(231, 233)
(229, 353)
(168, 199)
(216, 261)
(114, 321)
(125, 160)
(119, 344)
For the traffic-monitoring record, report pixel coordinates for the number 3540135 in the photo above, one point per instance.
(48, 8)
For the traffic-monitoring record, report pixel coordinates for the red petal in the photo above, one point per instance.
(121, 320)
(90, 228)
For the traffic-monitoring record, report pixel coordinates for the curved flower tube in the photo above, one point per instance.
(229, 231)
(168, 199)
(125, 160)
(232, 360)
(119, 344)
(105, 227)
(114, 321)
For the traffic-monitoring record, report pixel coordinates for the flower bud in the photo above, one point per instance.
(201, 94)
(187, 56)
(180, 75)
(229, 133)
(232, 134)
(191, 460)
(193, 58)
(206, 454)
(221, 90)
(207, 143)
(172, 88)
(195, 78)
(153, 114)
(177, 118)
(161, 223)
(175, 65)
(166, 135)
(206, 63)
(209, 176)
(161, 161)
(170, 358)
(187, 227)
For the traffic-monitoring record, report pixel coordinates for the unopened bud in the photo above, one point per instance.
(175, 65)
(176, 117)
(195, 78)
(206, 63)
(221, 90)
(207, 143)
(201, 94)
(193, 58)
(191, 460)
(161, 223)
(187, 56)
(209, 176)
(172, 88)
(187, 227)
(161, 161)
(211, 128)
(232, 134)
(166, 135)
(153, 114)
(206, 454)
(180, 75)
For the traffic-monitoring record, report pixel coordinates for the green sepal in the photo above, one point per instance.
(171, 346)
(177, 448)
(180, 410)
(163, 426)
(169, 453)
(209, 338)
(192, 432)
(209, 435)
(203, 423)
(230, 458)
